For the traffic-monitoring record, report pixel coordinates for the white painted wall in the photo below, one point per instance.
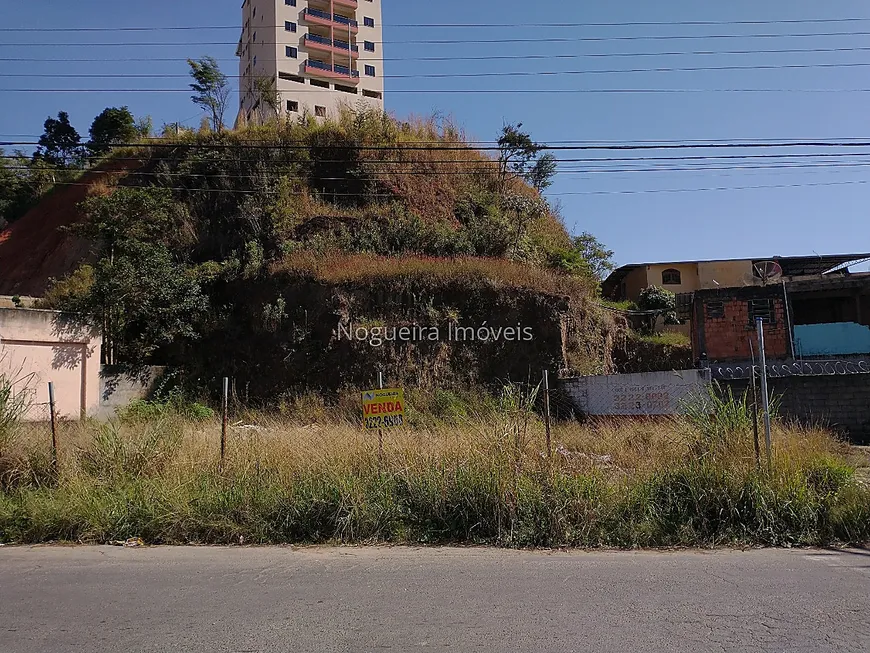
(652, 393)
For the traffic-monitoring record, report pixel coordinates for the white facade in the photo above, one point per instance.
(323, 54)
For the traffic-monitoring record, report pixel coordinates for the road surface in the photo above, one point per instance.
(379, 599)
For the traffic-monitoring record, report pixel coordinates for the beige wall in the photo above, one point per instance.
(38, 347)
(635, 281)
(270, 52)
(688, 274)
(727, 274)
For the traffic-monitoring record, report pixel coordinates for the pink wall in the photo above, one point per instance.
(38, 347)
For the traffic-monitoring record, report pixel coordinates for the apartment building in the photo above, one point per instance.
(320, 54)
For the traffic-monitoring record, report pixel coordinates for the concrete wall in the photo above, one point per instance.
(118, 390)
(37, 347)
(651, 393)
(839, 402)
(725, 274)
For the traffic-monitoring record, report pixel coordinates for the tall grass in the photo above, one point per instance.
(463, 478)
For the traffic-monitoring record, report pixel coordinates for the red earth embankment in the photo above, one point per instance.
(36, 248)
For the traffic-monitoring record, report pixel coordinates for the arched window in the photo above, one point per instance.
(672, 278)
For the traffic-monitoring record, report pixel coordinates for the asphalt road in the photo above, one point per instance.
(364, 600)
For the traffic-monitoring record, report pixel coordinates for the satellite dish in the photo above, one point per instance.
(749, 279)
(767, 271)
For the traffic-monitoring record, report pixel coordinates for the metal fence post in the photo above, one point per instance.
(224, 418)
(765, 396)
(547, 424)
(53, 413)
(381, 431)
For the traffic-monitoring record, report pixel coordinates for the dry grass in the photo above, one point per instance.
(482, 478)
(364, 268)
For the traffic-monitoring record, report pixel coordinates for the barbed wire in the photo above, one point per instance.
(798, 368)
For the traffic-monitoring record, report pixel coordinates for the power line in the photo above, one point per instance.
(484, 171)
(580, 39)
(484, 161)
(688, 23)
(459, 147)
(487, 91)
(486, 57)
(328, 194)
(544, 73)
(483, 57)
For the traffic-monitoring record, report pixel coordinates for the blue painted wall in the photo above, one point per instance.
(840, 339)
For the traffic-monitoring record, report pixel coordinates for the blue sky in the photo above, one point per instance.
(821, 210)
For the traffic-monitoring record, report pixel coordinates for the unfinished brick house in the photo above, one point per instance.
(810, 319)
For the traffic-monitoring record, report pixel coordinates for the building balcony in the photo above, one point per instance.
(343, 73)
(342, 48)
(326, 19)
(353, 4)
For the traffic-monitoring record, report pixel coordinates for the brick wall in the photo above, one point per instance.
(838, 402)
(727, 338)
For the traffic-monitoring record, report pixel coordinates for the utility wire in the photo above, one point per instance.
(489, 91)
(579, 39)
(328, 194)
(484, 57)
(540, 73)
(689, 23)
(640, 146)
(492, 162)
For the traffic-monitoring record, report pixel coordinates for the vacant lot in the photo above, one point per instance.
(466, 477)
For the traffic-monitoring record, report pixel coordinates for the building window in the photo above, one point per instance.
(255, 60)
(290, 3)
(715, 310)
(762, 308)
(372, 94)
(320, 112)
(370, 71)
(292, 52)
(672, 278)
(291, 78)
(292, 106)
(369, 22)
(254, 37)
(289, 26)
(369, 46)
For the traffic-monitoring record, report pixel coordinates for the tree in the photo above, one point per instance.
(60, 145)
(659, 301)
(112, 126)
(525, 211)
(211, 88)
(143, 300)
(542, 172)
(145, 126)
(598, 258)
(131, 214)
(137, 293)
(268, 100)
(23, 180)
(10, 188)
(518, 157)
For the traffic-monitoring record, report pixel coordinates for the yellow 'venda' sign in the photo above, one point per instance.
(383, 409)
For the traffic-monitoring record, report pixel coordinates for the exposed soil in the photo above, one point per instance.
(35, 248)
